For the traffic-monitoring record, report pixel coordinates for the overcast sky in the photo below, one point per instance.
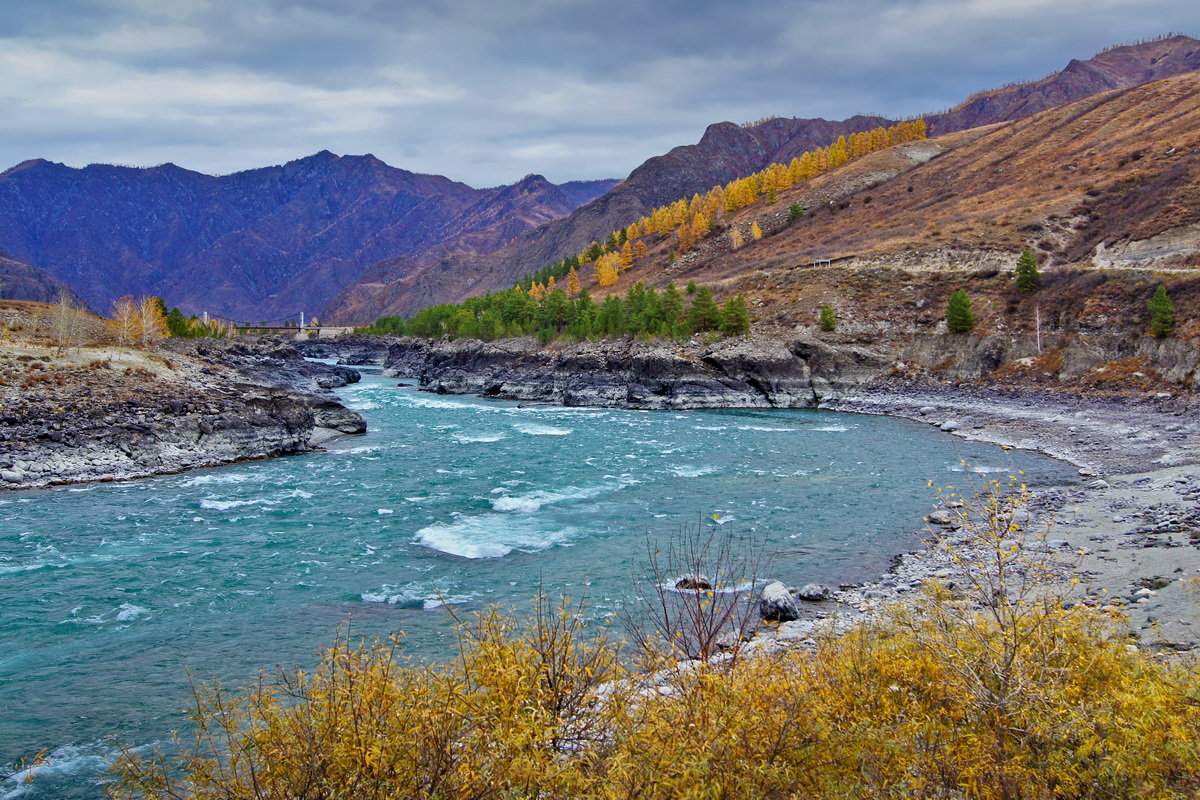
(486, 91)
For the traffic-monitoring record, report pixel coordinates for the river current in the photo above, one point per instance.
(113, 596)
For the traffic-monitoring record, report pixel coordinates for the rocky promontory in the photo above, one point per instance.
(109, 413)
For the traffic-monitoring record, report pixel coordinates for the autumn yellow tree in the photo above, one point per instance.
(607, 269)
(626, 256)
(755, 231)
(735, 238)
(152, 321)
(640, 250)
(126, 322)
(573, 281)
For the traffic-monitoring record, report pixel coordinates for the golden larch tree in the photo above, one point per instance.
(152, 322)
(126, 322)
(607, 269)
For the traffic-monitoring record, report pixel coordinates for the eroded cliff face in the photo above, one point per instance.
(101, 415)
(744, 373)
(787, 372)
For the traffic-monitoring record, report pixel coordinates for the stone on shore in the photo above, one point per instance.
(814, 592)
(776, 603)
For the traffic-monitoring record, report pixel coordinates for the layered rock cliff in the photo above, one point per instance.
(111, 414)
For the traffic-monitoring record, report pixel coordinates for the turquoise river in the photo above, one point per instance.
(113, 596)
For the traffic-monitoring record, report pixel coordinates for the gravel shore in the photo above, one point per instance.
(1130, 532)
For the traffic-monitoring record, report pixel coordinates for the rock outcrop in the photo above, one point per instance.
(741, 373)
(351, 349)
(112, 414)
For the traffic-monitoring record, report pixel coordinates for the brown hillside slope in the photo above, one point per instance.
(1078, 183)
(729, 151)
(1105, 190)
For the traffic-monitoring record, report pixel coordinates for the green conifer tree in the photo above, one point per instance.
(704, 315)
(1162, 313)
(1028, 276)
(827, 320)
(959, 317)
(735, 317)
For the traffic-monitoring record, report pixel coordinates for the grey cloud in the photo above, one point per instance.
(485, 92)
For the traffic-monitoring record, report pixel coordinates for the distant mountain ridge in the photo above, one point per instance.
(254, 245)
(20, 281)
(727, 151)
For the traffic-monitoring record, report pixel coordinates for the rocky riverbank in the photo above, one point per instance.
(1129, 534)
(630, 373)
(108, 413)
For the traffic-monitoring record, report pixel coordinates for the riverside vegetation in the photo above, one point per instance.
(999, 687)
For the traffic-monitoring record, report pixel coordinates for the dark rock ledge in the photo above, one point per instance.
(193, 404)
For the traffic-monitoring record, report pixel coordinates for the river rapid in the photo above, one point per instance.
(114, 594)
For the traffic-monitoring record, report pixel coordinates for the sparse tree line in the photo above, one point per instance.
(960, 316)
(550, 313)
(691, 220)
(558, 290)
(146, 322)
(143, 322)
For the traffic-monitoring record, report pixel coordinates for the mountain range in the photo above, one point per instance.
(256, 245)
(350, 238)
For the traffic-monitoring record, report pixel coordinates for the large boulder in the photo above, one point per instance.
(776, 603)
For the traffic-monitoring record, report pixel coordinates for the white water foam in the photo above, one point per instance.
(979, 469)
(534, 429)
(225, 505)
(491, 536)
(464, 438)
(710, 427)
(532, 501)
(685, 471)
(224, 477)
(830, 428)
(422, 594)
(124, 613)
(10, 569)
(61, 764)
(765, 428)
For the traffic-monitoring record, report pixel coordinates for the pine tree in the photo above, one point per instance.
(959, 317)
(691, 287)
(671, 308)
(827, 320)
(735, 317)
(704, 315)
(1028, 276)
(1162, 313)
